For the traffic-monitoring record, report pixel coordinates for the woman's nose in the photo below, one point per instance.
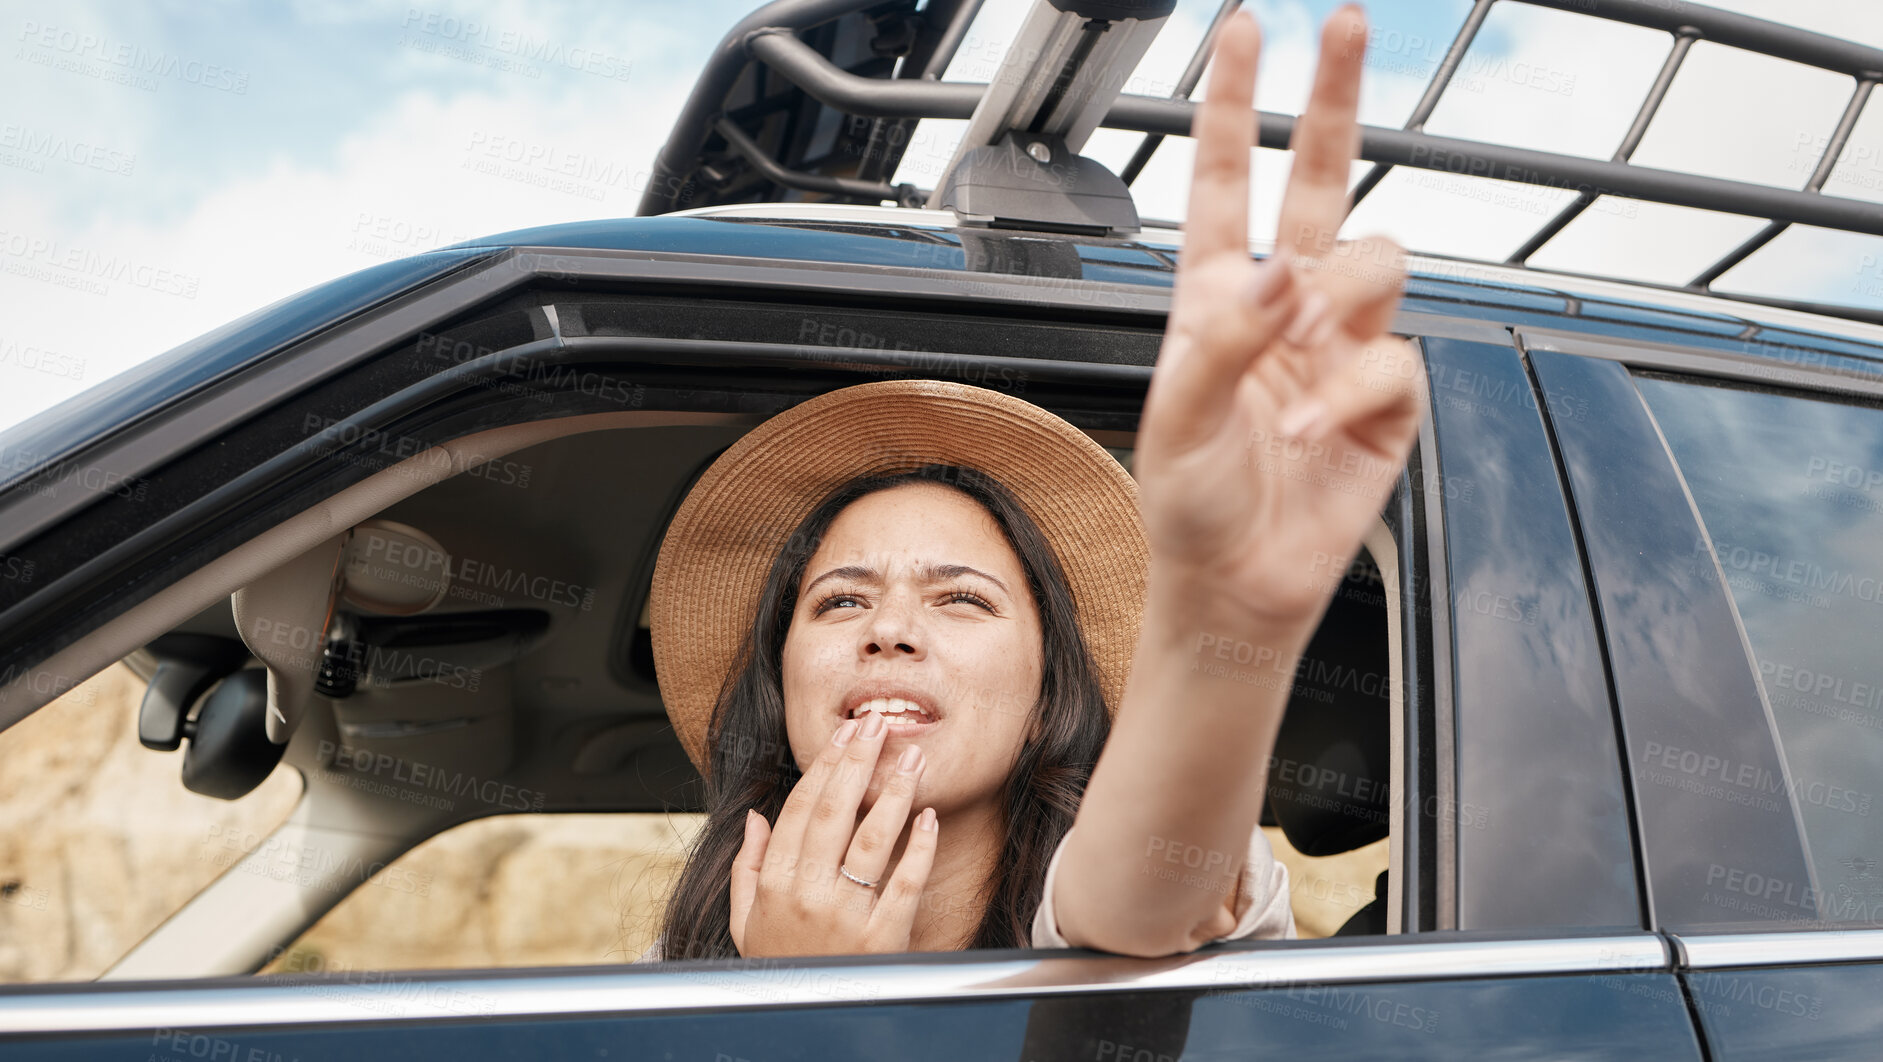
(892, 630)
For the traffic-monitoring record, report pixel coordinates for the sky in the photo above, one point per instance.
(166, 167)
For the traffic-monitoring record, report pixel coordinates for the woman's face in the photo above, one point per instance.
(915, 599)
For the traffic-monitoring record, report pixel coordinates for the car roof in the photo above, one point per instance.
(918, 242)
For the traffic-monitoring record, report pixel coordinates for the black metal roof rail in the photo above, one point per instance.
(882, 35)
(773, 39)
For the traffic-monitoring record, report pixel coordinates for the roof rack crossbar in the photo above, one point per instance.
(770, 38)
(1735, 30)
(1683, 44)
(1186, 84)
(1441, 80)
(807, 182)
(801, 64)
(1826, 164)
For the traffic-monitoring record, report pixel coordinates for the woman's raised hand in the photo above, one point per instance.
(1281, 410)
(787, 895)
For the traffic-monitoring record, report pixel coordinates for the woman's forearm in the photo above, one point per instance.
(1164, 827)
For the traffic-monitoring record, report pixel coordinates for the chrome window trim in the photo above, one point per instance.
(376, 996)
(1444, 698)
(1750, 368)
(1718, 950)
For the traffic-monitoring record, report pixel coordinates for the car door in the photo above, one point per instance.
(1732, 511)
(1442, 996)
(1555, 986)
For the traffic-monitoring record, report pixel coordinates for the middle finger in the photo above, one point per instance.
(833, 817)
(1326, 140)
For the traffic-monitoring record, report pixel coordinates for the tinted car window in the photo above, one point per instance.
(1790, 492)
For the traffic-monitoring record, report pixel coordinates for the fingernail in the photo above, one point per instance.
(1304, 416)
(1271, 279)
(1307, 320)
(926, 820)
(844, 733)
(872, 725)
(911, 756)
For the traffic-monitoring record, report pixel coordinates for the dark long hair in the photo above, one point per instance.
(752, 764)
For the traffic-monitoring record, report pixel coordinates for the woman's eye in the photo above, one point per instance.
(972, 599)
(833, 601)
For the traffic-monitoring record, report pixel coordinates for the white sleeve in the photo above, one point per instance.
(1262, 908)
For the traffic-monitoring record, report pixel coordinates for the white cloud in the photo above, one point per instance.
(123, 279)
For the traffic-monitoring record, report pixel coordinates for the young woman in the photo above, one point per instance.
(939, 657)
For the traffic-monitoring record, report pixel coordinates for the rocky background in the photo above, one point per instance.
(100, 842)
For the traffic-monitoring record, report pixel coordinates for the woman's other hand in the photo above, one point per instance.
(787, 895)
(1281, 410)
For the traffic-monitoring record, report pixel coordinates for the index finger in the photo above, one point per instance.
(787, 834)
(1326, 140)
(1224, 128)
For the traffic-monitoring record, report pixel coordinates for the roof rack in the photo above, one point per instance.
(818, 98)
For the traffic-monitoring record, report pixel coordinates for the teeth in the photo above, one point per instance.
(894, 710)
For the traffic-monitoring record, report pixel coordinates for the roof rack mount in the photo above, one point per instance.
(1018, 163)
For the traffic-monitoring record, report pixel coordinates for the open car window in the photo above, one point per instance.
(509, 890)
(100, 841)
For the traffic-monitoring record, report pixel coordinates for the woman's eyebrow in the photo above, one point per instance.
(932, 573)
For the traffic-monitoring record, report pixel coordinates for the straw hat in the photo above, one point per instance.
(736, 519)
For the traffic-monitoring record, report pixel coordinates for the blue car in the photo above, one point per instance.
(1599, 704)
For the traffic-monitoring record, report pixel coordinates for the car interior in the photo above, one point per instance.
(452, 640)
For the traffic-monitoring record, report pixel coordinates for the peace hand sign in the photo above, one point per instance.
(1281, 410)
(790, 895)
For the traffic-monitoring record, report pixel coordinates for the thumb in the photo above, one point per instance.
(745, 867)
